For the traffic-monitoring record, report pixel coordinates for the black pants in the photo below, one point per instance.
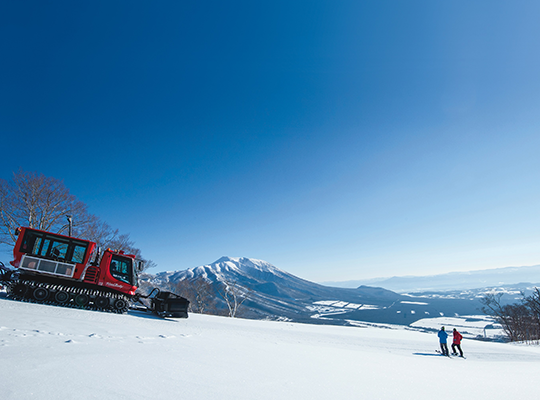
(454, 345)
(444, 349)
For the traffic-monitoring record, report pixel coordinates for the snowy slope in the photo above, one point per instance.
(57, 353)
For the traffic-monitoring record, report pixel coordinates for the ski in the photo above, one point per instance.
(441, 353)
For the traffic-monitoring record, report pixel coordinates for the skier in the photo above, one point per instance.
(442, 339)
(457, 343)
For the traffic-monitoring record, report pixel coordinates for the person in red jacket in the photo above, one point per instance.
(457, 343)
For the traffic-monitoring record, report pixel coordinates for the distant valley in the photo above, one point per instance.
(277, 295)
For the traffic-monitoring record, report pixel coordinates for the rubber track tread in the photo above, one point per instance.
(93, 294)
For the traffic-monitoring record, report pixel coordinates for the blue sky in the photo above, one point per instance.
(334, 139)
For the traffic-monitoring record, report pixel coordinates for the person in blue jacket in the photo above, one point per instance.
(442, 339)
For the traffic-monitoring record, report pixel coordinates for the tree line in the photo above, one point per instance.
(520, 321)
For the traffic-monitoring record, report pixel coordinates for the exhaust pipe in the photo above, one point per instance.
(70, 222)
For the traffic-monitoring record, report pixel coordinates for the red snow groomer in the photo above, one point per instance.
(68, 271)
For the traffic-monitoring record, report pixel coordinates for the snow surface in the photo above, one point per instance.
(51, 352)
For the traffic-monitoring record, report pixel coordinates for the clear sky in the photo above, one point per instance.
(334, 139)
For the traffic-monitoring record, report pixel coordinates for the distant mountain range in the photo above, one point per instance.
(276, 294)
(509, 276)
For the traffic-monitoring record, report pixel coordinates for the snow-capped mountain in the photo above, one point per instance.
(244, 271)
(263, 277)
(276, 294)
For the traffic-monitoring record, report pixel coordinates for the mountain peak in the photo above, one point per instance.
(245, 262)
(224, 259)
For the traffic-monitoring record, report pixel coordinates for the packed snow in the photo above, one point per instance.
(51, 352)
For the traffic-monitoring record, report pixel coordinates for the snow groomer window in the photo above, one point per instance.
(53, 247)
(121, 269)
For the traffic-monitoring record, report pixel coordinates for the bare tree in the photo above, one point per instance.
(234, 295)
(492, 306)
(520, 321)
(36, 201)
(148, 264)
(201, 294)
(107, 237)
(533, 304)
(205, 295)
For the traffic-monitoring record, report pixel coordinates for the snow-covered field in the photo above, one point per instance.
(469, 326)
(56, 353)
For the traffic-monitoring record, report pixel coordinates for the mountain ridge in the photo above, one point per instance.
(276, 294)
(451, 281)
